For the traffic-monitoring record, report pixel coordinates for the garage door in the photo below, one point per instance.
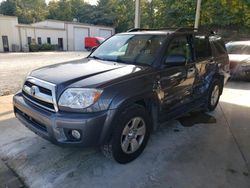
(105, 33)
(79, 36)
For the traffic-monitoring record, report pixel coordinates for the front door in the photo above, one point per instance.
(60, 43)
(5, 44)
(177, 75)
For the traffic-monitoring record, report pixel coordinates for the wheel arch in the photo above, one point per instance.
(221, 78)
(149, 102)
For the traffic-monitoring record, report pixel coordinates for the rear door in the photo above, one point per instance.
(177, 76)
(204, 62)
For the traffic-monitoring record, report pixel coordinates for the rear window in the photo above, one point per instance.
(202, 47)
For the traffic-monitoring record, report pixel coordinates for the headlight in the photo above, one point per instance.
(78, 98)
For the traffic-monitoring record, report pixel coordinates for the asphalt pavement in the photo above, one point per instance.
(14, 67)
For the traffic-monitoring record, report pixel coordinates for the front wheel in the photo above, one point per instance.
(214, 95)
(130, 135)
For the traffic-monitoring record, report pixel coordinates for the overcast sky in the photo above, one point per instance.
(92, 2)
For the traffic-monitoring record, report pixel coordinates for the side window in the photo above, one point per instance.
(202, 47)
(179, 50)
(219, 47)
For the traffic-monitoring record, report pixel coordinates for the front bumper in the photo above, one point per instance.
(56, 127)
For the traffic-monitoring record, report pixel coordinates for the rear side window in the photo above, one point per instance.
(202, 47)
(218, 46)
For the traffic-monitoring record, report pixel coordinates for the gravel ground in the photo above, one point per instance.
(15, 66)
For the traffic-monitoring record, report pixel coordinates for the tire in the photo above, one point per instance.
(122, 147)
(214, 93)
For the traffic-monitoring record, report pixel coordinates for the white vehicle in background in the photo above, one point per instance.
(239, 56)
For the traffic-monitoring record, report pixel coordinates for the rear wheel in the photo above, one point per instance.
(130, 135)
(214, 95)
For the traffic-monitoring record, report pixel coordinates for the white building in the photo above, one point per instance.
(67, 35)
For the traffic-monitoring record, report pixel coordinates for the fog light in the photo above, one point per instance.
(76, 134)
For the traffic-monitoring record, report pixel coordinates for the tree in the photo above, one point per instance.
(225, 13)
(60, 10)
(86, 13)
(8, 8)
(124, 15)
(104, 13)
(120, 13)
(29, 11)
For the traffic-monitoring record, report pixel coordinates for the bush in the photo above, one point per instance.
(44, 47)
(55, 47)
(34, 47)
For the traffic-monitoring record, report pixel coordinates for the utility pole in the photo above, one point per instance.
(137, 14)
(197, 16)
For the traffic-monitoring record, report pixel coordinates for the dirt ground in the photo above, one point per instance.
(15, 66)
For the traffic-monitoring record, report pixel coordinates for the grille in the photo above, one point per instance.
(40, 93)
(38, 101)
(42, 89)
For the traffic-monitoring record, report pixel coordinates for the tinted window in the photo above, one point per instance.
(179, 47)
(202, 47)
(218, 46)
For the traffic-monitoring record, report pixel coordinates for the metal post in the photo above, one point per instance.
(137, 13)
(197, 16)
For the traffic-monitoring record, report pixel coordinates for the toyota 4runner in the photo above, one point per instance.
(116, 96)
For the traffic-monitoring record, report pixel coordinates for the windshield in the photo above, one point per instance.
(238, 49)
(131, 49)
(100, 40)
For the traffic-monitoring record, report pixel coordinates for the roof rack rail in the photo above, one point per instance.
(176, 29)
(138, 29)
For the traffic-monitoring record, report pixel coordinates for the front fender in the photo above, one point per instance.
(118, 105)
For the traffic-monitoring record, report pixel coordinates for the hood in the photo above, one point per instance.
(84, 73)
(239, 58)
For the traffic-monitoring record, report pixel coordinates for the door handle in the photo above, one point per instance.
(191, 70)
(211, 60)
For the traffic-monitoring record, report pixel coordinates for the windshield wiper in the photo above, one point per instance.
(120, 61)
(102, 59)
(133, 63)
(95, 57)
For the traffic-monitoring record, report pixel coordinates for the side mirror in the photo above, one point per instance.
(175, 60)
(93, 49)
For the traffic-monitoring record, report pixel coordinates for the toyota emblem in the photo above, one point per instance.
(33, 90)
